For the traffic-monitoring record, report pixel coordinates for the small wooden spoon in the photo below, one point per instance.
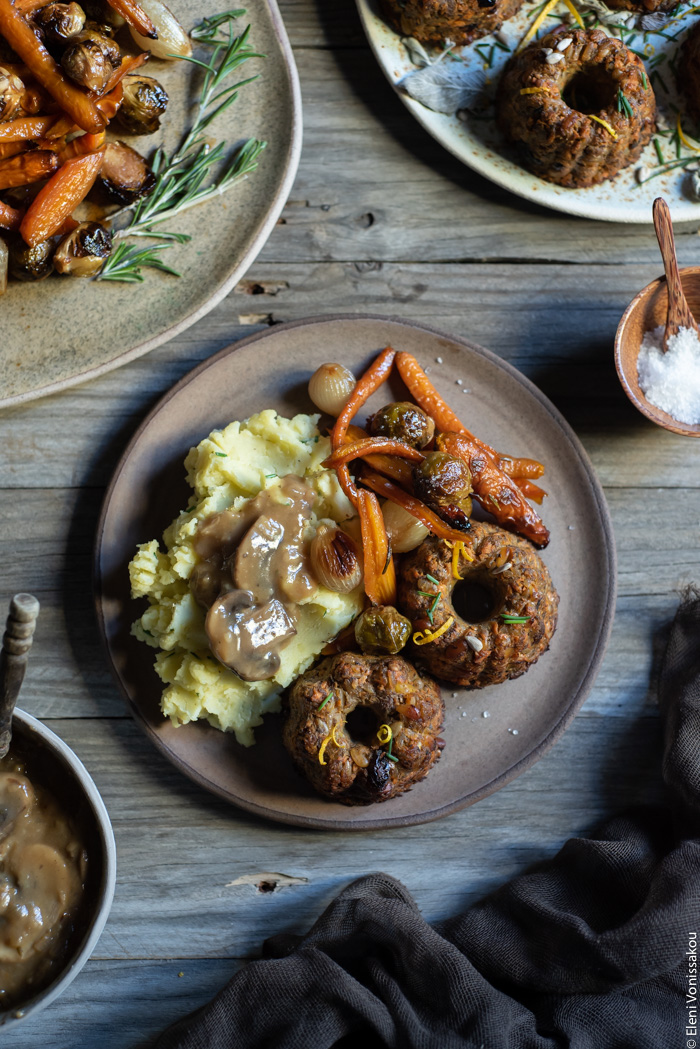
(679, 315)
(16, 642)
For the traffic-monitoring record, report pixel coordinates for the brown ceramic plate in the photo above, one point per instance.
(62, 331)
(271, 370)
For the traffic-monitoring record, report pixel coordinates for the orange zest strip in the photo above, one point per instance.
(135, 16)
(380, 574)
(25, 128)
(425, 637)
(129, 64)
(21, 38)
(10, 218)
(425, 394)
(361, 449)
(519, 467)
(27, 168)
(496, 492)
(383, 486)
(530, 490)
(59, 197)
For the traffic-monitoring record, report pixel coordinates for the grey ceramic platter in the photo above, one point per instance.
(475, 140)
(62, 331)
(271, 370)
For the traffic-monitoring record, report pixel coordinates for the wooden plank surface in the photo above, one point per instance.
(381, 219)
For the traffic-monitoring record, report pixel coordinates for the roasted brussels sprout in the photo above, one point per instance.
(29, 264)
(90, 59)
(11, 94)
(402, 421)
(445, 484)
(382, 630)
(145, 102)
(60, 22)
(125, 174)
(82, 252)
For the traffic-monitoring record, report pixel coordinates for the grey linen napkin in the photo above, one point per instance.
(593, 949)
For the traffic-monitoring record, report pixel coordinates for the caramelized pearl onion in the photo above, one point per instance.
(330, 387)
(404, 530)
(335, 560)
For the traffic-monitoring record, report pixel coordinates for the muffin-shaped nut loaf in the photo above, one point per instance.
(579, 106)
(459, 21)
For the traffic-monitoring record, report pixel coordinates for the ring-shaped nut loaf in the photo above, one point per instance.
(509, 578)
(355, 766)
(459, 21)
(563, 144)
(688, 75)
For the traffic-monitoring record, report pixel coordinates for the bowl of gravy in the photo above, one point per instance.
(57, 869)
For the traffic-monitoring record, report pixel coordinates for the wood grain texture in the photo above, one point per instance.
(381, 219)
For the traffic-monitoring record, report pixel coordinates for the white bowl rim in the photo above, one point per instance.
(107, 882)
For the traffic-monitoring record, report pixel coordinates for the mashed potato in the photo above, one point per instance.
(225, 470)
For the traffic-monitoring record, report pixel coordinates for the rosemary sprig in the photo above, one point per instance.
(197, 171)
(127, 260)
(623, 105)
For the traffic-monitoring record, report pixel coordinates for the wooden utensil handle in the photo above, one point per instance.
(679, 315)
(16, 642)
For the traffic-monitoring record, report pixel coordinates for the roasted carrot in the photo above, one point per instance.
(109, 104)
(27, 168)
(362, 448)
(10, 218)
(67, 227)
(34, 100)
(496, 492)
(425, 394)
(11, 149)
(364, 388)
(30, 6)
(397, 469)
(530, 490)
(379, 570)
(383, 486)
(129, 64)
(343, 642)
(79, 146)
(25, 128)
(59, 197)
(516, 466)
(22, 39)
(135, 16)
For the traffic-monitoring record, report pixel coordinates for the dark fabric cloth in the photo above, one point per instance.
(586, 951)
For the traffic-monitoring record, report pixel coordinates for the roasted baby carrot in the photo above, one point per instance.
(22, 39)
(397, 469)
(80, 145)
(129, 64)
(11, 149)
(383, 486)
(25, 128)
(364, 388)
(135, 16)
(59, 197)
(530, 490)
(10, 218)
(516, 466)
(26, 168)
(379, 570)
(496, 492)
(362, 448)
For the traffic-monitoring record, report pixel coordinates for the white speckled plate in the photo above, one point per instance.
(479, 144)
(62, 331)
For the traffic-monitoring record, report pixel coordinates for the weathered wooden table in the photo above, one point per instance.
(381, 219)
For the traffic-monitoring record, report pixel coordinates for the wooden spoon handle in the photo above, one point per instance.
(679, 315)
(16, 642)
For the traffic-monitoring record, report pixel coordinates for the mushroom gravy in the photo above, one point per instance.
(252, 574)
(43, 871)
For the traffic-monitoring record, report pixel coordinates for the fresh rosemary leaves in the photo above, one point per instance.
(197, 171)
